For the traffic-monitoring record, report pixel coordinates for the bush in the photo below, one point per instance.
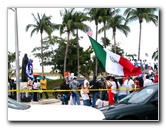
(54, 83)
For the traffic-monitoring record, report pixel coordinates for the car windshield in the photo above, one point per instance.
(142, 95)
(126, 99)
(17, 105)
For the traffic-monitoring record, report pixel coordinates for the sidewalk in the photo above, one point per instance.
(54, 102)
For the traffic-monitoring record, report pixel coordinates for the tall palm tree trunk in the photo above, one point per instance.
(139, 44)
(78, 54)
(67, 47)
(104, 36)
(114, 32)
(42, 54)
(96, 57)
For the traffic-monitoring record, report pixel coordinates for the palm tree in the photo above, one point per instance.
(43, 24)
(141, 14)
(68, 27)
(72, 21)
(117, 22)
(94, 14)
(105, 15)
(155, 55)
(78, 19)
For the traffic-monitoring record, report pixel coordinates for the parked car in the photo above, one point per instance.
(141, 105)
(57, 94)
(18, 111)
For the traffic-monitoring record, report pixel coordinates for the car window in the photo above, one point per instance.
(17, 105)
(142, 95)
(126, 99)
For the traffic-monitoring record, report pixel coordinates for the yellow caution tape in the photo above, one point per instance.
(69, 90)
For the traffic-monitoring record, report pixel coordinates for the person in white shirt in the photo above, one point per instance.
(122, 89)
(87, 86)
(99, 102)
(86, 82)
(147, 81)
(130, 84)
(84, 94)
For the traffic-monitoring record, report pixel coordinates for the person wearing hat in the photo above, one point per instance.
(74, 84)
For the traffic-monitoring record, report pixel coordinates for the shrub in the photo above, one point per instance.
(53, 83)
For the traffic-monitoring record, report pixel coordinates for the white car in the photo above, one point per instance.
(18, 111)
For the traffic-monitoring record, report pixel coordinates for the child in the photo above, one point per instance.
(99, 102)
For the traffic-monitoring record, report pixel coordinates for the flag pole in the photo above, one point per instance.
(17, 56)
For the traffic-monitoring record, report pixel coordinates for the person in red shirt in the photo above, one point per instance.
(156, 78)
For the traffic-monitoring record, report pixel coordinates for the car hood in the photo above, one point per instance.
(117, 106)
(55, 113)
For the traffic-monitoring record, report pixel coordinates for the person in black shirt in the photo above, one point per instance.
(64, 94)
(94, 84)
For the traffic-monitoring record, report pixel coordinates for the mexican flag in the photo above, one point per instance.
(113, 63)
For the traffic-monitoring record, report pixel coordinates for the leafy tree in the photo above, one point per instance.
(107, 41)
(54, 56)
(85, 59)
(141, 14)
(131, 56)
(119, 50)
(11, 59)
(48, 48)
(42, 24)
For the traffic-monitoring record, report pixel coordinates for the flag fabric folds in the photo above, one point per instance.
(29, 70)
(113, 63)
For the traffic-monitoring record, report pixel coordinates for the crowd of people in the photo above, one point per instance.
(110, 88)
(35, 84)
(92, 92)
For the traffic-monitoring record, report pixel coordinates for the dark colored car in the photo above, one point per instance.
(58, 94)
(142, 105)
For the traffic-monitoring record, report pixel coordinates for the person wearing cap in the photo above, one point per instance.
(74, 84)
